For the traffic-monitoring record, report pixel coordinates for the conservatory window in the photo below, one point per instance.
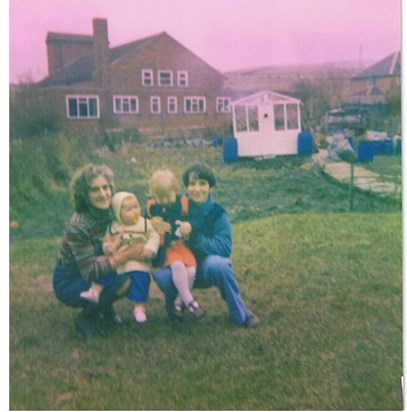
(253, 117)
(240, 116)
(82, 107)
(279, 118)
(292, 116)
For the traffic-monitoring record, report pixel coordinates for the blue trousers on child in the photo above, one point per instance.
(139, 286)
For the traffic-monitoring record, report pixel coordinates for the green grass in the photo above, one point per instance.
(328, 289)
(249, 189)
(327, 284)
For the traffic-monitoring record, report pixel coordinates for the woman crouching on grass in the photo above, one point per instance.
(210, 240)
(81, 261)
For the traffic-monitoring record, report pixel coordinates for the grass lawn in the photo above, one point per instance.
(327, 287)
(326, 282)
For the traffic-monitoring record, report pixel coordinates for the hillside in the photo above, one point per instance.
(284, 78)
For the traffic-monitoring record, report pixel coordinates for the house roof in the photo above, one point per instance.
(265, 97)
(52, 36)
(389, 66)
(82, 69)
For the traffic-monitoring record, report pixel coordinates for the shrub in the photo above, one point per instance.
(32, 113)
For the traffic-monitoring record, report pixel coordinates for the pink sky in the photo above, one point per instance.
(227, 34)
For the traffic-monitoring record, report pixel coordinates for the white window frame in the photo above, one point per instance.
(147, 77)
(125, 100)
(172, 101)
(155, 100)
(194, 102)
(223, 105)
(182, 78)
(81, 101)
(167, 72)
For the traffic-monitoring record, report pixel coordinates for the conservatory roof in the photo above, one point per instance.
(265, 97)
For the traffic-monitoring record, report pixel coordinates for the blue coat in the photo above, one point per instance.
(211, 229)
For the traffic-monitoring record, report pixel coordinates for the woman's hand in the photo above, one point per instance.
(134, 252)
(185, 228)
(160, 226)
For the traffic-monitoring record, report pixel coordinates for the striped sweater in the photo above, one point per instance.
(81, 251)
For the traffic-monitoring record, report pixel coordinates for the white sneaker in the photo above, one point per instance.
(139, 313)
(90, 294)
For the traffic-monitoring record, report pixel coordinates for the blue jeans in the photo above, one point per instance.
(214, 270)
(68, 285)
(140, 283)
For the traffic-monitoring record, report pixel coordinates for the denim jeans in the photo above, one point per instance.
(140, 283)
(68, 286)
(214, 270)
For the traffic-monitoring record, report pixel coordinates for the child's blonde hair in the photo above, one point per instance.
(162, 182)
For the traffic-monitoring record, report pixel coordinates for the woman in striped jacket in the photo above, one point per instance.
(81, 260)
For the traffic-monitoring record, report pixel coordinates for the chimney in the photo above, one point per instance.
(101, 52)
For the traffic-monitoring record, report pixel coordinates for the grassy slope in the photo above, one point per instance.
(328, 289)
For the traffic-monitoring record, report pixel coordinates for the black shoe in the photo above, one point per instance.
(251, 320)
(109, 316)
(87, 324)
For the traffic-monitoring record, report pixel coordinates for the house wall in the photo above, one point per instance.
(166, 54)
(384, 83)
(125, 78)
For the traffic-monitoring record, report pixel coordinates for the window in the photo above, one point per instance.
(182, 77)
(165, 78)
(253, 118)
(240, 115)
(194, 105)
(155, 104)
(147, 77)
(279, 118)
(172, 105)
(292, 116)
(125, 104)
(222, 105)
(82, 107)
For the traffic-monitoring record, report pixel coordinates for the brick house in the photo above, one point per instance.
(154, 84)
(377, 84)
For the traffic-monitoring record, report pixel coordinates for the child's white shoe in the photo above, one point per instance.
(139, 314)
(90, 294)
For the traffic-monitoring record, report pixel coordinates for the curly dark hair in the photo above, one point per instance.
(199, 171)
(80, 184)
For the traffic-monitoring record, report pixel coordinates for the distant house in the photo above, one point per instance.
(154, 84)
(377, 84)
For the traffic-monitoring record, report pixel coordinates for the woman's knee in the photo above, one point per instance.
(163, 278)
(216, 264)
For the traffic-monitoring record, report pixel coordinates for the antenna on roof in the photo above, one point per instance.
(360, 60)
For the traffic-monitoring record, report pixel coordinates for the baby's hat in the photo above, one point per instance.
(117, 201)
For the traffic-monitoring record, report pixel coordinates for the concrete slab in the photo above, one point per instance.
(362, 178)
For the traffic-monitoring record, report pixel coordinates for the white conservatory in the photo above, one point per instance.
(266, 123)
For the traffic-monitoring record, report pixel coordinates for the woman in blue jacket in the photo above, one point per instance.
(210, 240)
